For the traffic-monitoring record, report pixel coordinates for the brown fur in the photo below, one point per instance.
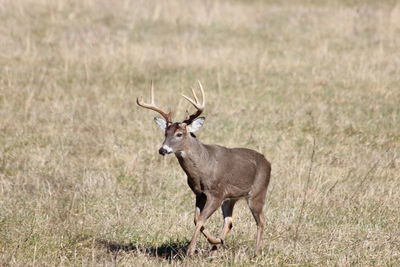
(219, 176)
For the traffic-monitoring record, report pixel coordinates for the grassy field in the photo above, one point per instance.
(314, 85)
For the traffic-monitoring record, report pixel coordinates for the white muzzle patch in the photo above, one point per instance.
(167, 148)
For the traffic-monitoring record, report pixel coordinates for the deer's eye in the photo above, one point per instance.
(179, 135)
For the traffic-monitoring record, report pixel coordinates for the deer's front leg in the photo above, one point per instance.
(210, 206)
(200, 203)
(227, 210)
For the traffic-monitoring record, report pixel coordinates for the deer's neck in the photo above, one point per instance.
(193, 159)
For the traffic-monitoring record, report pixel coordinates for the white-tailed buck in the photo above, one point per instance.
(217, 175)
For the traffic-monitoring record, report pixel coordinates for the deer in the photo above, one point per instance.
(217, 175)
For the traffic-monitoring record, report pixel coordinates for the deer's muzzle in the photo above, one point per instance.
(165, 150)
(162, 151)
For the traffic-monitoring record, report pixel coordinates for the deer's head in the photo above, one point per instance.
(177, 134)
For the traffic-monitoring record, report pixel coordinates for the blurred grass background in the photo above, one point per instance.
(81, 182)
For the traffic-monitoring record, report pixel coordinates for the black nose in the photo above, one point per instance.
(162, 151)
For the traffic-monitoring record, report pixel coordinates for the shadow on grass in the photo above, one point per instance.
(169, 251)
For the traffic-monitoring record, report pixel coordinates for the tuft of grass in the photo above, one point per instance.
(81, 182)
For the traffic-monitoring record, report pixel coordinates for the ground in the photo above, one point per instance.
(313, 85)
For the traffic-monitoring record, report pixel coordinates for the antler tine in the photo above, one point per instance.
(152, 106)
(202, 92)
(194, 95)
(196, 103)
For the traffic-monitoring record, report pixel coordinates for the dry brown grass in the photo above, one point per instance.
(81, 182)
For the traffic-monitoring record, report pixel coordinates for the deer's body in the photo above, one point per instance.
(217, 175)
(230, 173)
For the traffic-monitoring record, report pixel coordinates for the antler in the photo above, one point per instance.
(152, 106)
(196, 104)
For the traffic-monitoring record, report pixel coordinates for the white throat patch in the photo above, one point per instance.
(181, 154)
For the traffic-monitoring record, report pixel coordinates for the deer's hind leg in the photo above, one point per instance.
(256, 202)
(256, 207)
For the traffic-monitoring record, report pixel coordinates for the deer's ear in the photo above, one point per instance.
(196, 124)
(161, 123)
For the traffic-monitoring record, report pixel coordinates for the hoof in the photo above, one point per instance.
(190, 252)
(216, 247)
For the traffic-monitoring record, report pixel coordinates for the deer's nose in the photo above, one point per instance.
(162, 151)
(165, 150)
